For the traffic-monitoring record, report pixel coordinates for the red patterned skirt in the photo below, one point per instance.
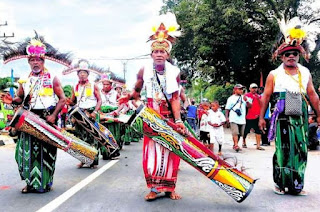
(160, 166)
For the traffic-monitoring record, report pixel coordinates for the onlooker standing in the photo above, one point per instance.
(236, 114)
(204, 127)
(313, 141)
(216, 120)
(252, 118)
(63, 113)
(267, 116)
(192, 115)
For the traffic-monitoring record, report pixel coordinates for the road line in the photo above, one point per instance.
(69, 193)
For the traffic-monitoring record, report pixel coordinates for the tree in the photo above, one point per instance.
(5, 83)
(232, 39)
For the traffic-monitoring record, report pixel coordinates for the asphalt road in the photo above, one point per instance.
(121, 187)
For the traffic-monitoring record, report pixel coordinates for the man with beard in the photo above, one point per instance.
(289, 85)
(42, 94)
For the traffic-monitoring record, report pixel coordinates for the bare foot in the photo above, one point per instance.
(151, 196)
(80, 165)
(173, 195)
(93, 166)
(302, 193)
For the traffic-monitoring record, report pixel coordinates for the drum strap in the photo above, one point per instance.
(165, 96)
(26, 101)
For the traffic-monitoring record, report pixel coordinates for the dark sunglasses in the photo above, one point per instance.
(287, 54)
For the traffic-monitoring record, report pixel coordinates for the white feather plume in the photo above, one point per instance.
(170, 22)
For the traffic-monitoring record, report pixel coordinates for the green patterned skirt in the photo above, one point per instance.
(129, 134)
(114, 128)
(290, 158)
(36, 161)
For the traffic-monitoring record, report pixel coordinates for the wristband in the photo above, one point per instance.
(178, 121)
(130, 97)
(15, 103)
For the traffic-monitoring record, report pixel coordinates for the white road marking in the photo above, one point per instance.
(69, 193)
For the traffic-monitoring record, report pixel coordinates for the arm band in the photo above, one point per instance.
(137, 89)
(15, 102)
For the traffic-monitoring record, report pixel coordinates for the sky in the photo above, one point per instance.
(99, 31)
(96, 30)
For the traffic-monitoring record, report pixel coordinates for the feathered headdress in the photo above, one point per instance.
(293, 38)
(33, 47)
(164, 32)
(103, 74)
(111, 77)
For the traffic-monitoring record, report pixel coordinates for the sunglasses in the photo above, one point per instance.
(287, 54)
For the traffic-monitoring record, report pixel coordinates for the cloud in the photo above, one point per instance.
(97, 30)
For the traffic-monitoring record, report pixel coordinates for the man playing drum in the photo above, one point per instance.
(86, 96)
(161, 80)
(41, 93)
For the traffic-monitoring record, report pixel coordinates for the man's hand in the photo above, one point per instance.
(245, 98)
(93, 115)
(124, 99)
(51, 119)
(263, 125)
(181, 128)
(113, 113)
(318, 120)
(6, 98)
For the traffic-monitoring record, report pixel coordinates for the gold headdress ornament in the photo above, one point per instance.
(293, 37)
(165, 30)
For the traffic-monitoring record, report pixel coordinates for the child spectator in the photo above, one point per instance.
(204, 131)
(216, 120)
(313, 138)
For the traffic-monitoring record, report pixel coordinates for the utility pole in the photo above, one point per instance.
(4, 34)
(124, 63)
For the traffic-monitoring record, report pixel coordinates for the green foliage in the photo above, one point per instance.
(232, 40)
(67, 91)
(223, 93)
(5, 83)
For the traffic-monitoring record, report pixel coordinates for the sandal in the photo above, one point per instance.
(151, 196)
(236, 148)
(244, 145)
(260, 148)
(80, 165)
(28, 189)
(278, 191)
(25, 190)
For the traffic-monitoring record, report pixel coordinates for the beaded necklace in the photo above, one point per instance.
(157, 94)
